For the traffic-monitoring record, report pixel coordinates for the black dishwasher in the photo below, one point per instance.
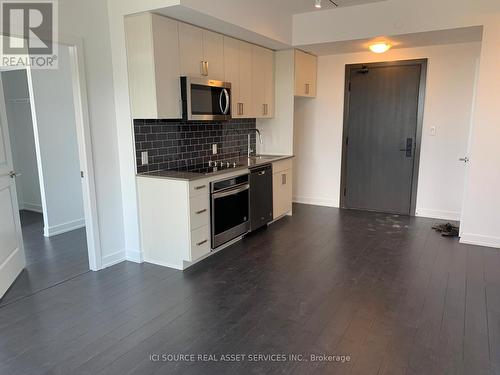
(261, 196)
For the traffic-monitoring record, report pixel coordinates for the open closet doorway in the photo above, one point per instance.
(44, 116)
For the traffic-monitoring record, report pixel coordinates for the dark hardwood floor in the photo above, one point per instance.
(385, 290)
(49, 261)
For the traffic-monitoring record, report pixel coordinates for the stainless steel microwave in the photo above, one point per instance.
(205, 99)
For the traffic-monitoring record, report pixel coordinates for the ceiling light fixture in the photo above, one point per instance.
(317, 3)
(380, 47)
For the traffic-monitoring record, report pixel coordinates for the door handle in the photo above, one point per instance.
(409, 147)
(465, 159)
(12, 174)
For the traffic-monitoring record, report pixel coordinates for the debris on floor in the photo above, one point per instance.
(447, 230)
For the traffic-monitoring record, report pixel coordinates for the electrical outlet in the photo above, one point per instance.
(214, 149)
(432, 130)
(144, 158)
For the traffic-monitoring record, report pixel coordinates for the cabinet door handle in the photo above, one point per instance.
(307, 88)
(201, 243)
(242, 108)
(283, 179)
(200, 187)
(201, 211)
(204, 68)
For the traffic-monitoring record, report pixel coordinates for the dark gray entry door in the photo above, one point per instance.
(383, 105)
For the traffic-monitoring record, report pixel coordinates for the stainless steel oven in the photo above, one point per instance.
(205, 99)
(230, 209)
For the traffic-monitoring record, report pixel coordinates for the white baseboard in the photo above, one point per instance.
(31, 207)
(114, 258)
(316, 201)
(438, 214)
(165, 264)
(480, 240)
(134, 256)
(63, 228)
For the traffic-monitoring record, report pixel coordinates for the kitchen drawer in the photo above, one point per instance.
(200, 242)
(198, 187)
(199, 211)
(282, 165)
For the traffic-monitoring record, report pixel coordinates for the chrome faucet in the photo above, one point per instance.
(249, 150)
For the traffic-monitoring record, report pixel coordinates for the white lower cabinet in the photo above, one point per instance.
(174, 220)
(282, 188)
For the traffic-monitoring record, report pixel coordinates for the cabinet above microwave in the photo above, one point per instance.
(160, 50)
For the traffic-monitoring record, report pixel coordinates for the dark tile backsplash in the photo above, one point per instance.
(173, 144)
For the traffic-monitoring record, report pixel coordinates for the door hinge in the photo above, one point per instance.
(345, 192)
(81, 174)
(347, 141)
(349, 89)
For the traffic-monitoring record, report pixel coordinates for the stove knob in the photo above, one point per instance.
(234, 165)
(228, 164)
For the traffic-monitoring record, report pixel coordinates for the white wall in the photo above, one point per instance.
(15, 85)
(318, 128)
(57, 153)
(88, 20)
(124, 130)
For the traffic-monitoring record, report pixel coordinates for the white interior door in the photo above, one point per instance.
(12, 260)
(465, 158)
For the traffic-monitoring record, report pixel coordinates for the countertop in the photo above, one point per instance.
(244, 163)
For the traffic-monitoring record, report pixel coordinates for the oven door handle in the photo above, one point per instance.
(229, 192)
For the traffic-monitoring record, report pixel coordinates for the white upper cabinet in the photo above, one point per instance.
(160, 50)
(213, 51)
(238, 71)
(305, 74)
(245, 83)
(191, 51)
(201, 52)
(262, 82)
(153, 66)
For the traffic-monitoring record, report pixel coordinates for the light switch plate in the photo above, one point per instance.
(432, 130)
(144, 158)
(214, 149)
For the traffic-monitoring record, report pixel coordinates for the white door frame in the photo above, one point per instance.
(84, 139)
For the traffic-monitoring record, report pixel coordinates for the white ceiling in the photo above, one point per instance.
(450, 36)
(304, 6)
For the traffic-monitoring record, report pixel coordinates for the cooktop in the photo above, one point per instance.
(212, 166)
